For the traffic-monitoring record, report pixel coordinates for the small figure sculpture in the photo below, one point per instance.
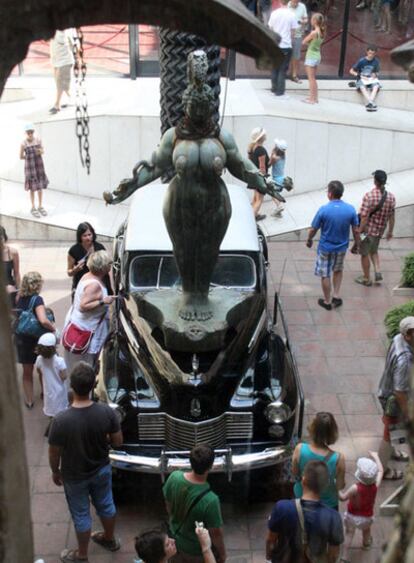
(197, 207)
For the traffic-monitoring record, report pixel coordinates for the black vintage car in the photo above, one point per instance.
(237, 389)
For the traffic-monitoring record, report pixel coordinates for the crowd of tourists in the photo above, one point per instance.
(309, 525)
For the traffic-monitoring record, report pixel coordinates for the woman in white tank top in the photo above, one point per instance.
(90, 308)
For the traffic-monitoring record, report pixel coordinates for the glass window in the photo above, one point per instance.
(162, 272)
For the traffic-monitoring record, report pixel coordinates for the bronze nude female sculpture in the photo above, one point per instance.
(197, 207)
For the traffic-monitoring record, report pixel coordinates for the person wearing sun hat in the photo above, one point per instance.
(359, 514)
(260, 158)
(278, 162)
(377, 211)
(35, 179)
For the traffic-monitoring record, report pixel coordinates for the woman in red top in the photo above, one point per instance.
(361, 496)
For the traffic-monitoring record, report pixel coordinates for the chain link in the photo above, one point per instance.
(81, 111)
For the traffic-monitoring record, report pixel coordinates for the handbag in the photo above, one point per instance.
(77, 340)
(28, 324)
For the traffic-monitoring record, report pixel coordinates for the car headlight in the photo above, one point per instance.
(278, 412)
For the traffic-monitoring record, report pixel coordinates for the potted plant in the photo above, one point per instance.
(395, 315)
(406, 285)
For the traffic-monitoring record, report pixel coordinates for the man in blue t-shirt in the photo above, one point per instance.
(367, 70)
(334, 220)
(323, 532)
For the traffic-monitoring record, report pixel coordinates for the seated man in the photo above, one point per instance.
(366, 70)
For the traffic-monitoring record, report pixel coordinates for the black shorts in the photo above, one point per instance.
(25, 348)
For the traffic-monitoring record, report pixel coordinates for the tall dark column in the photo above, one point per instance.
(175, 46)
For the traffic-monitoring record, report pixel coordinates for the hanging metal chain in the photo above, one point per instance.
(81, 112)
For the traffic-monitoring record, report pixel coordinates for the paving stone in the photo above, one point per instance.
(49, 538)
(364, 425)
(358, 404)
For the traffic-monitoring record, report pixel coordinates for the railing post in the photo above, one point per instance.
(345, 23)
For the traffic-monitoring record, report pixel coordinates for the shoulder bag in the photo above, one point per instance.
(307, 555)
(77, 340)
(28, 324)
(190, 508)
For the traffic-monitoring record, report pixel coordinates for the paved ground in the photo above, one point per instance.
(340, 356)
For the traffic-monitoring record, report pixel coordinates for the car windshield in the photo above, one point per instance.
(161, 272)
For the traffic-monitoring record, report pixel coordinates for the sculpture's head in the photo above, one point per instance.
(198, 97)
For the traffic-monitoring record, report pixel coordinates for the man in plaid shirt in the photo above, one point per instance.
(374, 219)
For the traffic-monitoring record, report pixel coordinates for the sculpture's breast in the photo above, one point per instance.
(206, 155)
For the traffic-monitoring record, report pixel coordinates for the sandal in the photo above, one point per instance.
(363, 281)
(398, 455)
(71, 556)
(42, 211)
(368, 544)
(109, 545)
(34, 212)
(336, 301)
(296, 79)
(393, 474)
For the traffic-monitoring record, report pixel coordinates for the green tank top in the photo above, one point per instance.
(314, 50)
(330, 495)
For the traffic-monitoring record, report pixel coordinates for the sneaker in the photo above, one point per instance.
(363, 281)
(42, 211)
(336, 301)
(35, 212)
(260, 217)
(374, 105)
(326, 306)
(53, 110)
(369, 107)
(361, 5)
(378, 277)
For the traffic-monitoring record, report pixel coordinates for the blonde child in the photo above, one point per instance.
(359, 514)
(278, 161)
(53, 378)
(313, 55)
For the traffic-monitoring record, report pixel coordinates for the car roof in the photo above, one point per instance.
(146, 230)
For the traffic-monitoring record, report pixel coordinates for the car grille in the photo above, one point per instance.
(179, 434)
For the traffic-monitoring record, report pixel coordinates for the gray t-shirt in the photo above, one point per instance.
(82, 435)
(398, 366)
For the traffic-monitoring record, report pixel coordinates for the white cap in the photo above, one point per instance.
(406, 324)
(257, 134)
(281, 144)
(367, 471)
(29, 127)
(47, 339)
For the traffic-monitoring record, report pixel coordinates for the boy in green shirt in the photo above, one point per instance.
(188, 499)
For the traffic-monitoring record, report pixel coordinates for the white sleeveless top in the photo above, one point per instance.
(90, 320)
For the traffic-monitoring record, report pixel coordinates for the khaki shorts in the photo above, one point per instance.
(369, 246)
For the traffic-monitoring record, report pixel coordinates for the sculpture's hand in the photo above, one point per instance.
(108, 197)
(271, 189)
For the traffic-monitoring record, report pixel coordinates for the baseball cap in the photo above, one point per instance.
(380, 176)
(366, 471)
(281, 144)
(47, 339)
(406, 324)
(29, 127)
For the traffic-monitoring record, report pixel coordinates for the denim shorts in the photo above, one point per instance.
(312, 62)
(328, 262)
(98, 489)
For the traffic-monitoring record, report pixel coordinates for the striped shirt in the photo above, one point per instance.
(397, 371)
(378, 221)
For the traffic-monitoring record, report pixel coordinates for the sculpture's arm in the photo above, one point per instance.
(145, 172)
(243, 169)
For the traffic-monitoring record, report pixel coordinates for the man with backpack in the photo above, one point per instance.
(377, 211)
(189, 499)
(305, 530)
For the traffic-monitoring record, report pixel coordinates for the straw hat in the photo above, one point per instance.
(257, 134)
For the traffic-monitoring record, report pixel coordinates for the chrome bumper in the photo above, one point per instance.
(225, 461)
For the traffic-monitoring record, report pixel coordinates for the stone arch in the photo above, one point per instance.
(223, 22)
